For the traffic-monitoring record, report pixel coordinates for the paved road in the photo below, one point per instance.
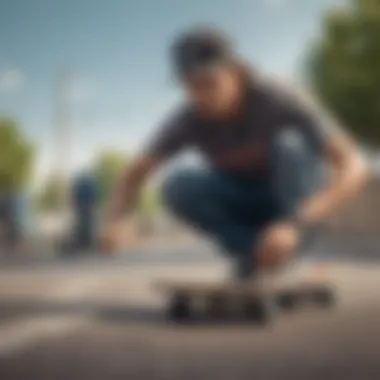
(103, 320)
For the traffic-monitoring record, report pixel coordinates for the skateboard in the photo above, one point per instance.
(188, 302)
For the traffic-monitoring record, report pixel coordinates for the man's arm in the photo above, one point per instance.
(349, 174)
(348, 168)
(122, 200)
(171, 138)
(124, 196)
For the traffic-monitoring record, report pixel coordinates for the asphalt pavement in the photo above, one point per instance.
(102, 318)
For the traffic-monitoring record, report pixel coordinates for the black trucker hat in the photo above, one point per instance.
(200, 51)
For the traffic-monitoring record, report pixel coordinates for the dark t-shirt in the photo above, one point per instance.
(242, 145)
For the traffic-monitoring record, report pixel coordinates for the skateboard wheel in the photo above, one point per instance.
(260, 310)
(287, 301)
(179, 308)
(216, 307)
(324, 297)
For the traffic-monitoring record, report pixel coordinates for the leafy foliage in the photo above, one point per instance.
(344, 67)
(16, 157)
(51, 195)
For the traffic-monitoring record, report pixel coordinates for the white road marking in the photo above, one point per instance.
(73, 289)
(22, 333)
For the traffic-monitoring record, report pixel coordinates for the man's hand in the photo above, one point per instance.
(110, 238)
(277, 243)
(115, 235)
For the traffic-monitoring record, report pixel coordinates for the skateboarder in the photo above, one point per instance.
(276, 169)
(84, 205)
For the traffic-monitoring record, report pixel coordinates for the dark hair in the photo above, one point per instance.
(200, 48)
(204, 47)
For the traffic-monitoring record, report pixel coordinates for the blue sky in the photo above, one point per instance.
(116, 52)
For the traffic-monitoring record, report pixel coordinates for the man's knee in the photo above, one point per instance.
(290, 144)
(184, 189)
(297, 166)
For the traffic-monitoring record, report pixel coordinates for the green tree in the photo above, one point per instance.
(344, 67)
(50, 196)
(16, 157)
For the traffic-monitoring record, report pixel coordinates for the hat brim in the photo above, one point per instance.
(203, 70)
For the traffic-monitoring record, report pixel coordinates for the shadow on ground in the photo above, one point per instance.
(108, 313)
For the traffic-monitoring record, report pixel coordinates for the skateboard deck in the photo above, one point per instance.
(190, 300)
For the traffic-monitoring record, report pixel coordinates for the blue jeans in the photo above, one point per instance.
(85, 227)
(233, 211)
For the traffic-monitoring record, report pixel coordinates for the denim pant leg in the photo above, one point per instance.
(206, 201)
(297, 172)
(85, 227)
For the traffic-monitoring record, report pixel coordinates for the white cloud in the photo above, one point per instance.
(11, 80)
